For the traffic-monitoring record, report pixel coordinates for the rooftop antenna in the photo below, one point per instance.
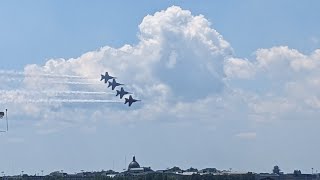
(125, 162)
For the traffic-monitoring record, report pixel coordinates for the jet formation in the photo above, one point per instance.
(121, 93)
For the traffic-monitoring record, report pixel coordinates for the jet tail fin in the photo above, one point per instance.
(118, 93)
(126, 100)
(102, 77)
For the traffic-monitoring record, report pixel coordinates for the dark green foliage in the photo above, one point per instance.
(296, 172)
(174, 169)
(192, 170)
(160, 176)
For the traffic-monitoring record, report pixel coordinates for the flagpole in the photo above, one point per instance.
(7, 119)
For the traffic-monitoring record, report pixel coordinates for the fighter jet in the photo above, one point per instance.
(130, 100)
(106, 77)
(122, 92)
(113, 84)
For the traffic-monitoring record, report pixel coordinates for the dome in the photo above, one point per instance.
(134, 164)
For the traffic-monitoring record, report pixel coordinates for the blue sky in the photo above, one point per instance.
(67, 29)
(253, 65)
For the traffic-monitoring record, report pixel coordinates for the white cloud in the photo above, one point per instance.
(282, 82)
(182, 69)
(172, 60)
(276, 62)
(177, 63)
(239, 68)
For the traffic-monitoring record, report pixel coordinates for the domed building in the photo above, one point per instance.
(135, 169)
(133, 164)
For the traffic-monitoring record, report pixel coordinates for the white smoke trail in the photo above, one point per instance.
(20, 95)
(30, 92)
(20, 79)
(10, 78)
(52, 101)
(28, 96)
(44, 75)
(49, 101)
(75, 83)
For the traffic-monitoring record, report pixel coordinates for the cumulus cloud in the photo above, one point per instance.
(181, 68)
(178, 62)
(282, 83)
(239, 68)
(275, 63)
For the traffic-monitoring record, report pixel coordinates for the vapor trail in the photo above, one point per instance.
(9, 79)
(49, 101)
(29, 96)
(45, 75)
(75, 83)
(48, 95)
(30, 92)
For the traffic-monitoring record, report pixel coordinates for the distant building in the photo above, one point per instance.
(134, 164)
(135, 169)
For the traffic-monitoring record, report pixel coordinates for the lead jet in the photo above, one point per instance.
(130, 100)
(106, 77)
(122, 92)
(113, 84)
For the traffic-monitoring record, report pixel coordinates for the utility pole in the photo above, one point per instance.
(125, 162)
